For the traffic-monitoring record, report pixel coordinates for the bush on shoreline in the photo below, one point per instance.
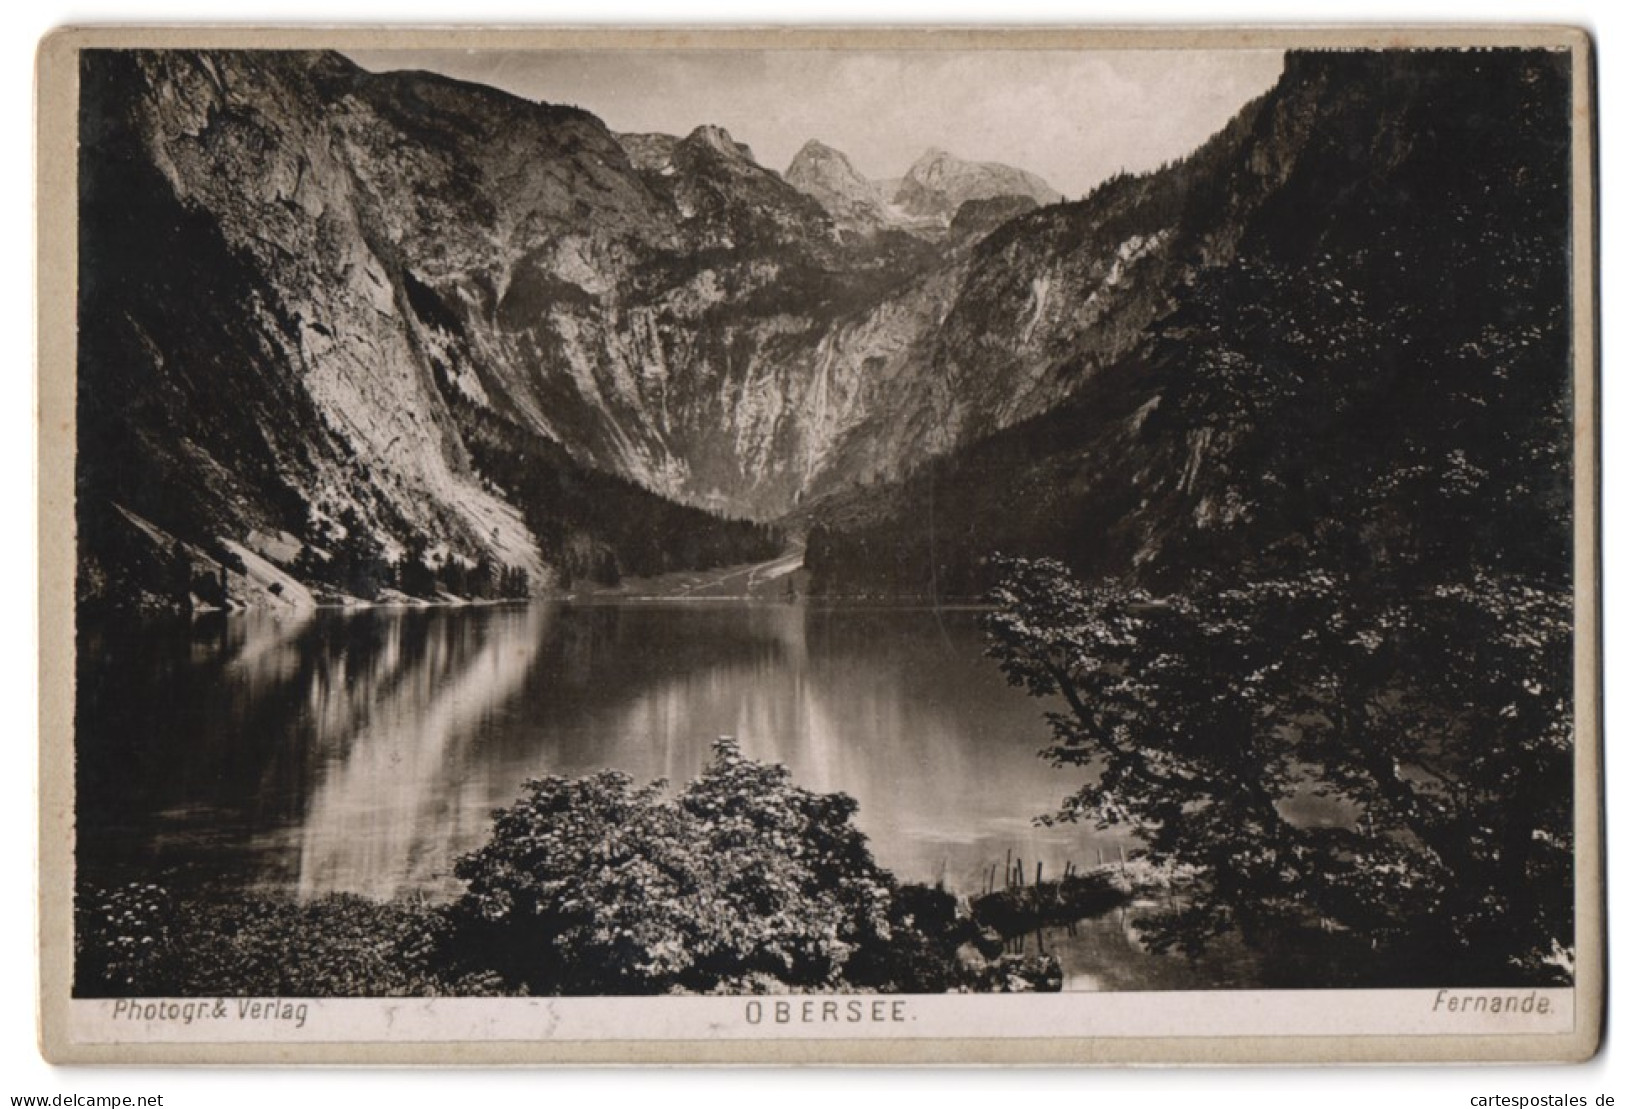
(740, 883)
(139, 941)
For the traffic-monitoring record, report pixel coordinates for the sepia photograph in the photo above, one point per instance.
(822, 543)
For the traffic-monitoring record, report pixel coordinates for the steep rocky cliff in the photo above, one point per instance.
(324, 310)
(280, 260)
(305, 286)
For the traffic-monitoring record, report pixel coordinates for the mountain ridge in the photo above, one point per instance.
(374, 271)
(925, 202)
(664, 310)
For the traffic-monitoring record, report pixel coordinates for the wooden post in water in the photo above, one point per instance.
(1038, 873)
(1100, 855)
(1122, 862)
(1009, 852)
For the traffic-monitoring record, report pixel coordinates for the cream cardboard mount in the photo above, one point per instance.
(818, 546)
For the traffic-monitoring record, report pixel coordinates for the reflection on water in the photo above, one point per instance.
(383, 814)
(364, 751)
(309, 753)
(1107, 952)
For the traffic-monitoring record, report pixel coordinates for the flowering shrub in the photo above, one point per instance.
(741, 882)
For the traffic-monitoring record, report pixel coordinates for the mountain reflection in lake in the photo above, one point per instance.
(363, 751)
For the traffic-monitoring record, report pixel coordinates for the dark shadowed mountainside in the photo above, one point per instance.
(1367, 366)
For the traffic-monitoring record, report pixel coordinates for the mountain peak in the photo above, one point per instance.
(939, 182)
(716, 138)
(813, 148)
(828, 176)
(817, 159)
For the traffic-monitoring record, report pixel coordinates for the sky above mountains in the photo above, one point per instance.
(1072, 117)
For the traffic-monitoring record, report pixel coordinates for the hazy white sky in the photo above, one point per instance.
(1072, 117)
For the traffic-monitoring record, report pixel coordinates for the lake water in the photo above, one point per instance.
(363, 751)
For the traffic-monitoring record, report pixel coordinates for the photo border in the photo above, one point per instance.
(57, 200)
